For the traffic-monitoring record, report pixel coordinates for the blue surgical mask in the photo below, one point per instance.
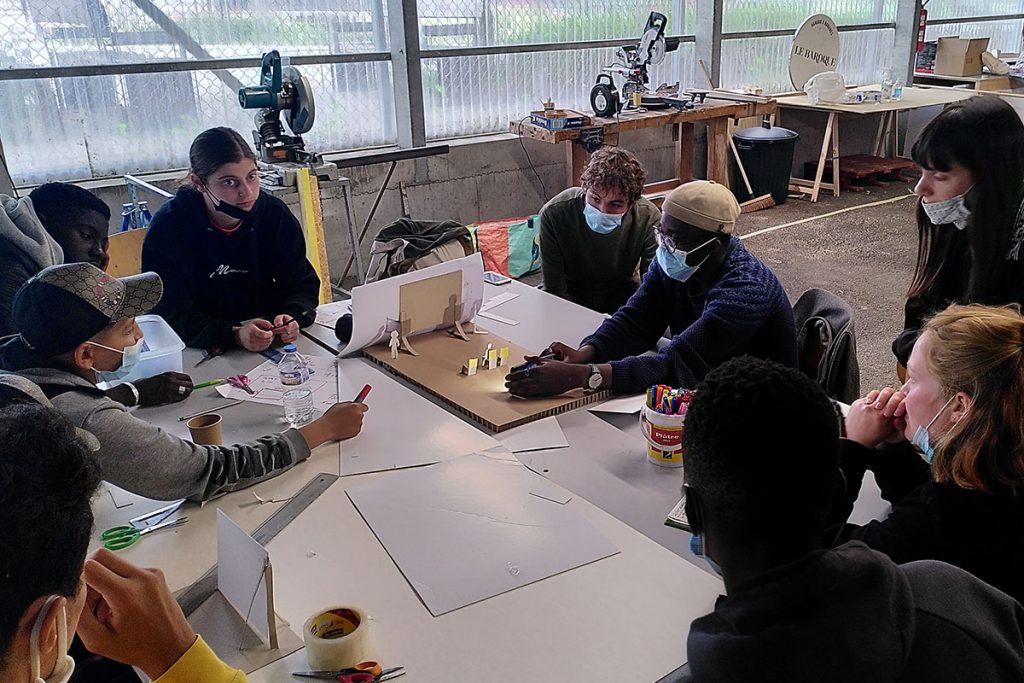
(697, 548)
(601, 223)
(130, 357)
(922, 440)
(953, 210)
(673, 261)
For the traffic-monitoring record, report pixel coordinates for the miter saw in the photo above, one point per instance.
(631, 64)
(282, 89)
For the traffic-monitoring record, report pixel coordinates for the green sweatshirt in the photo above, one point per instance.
(586, 267)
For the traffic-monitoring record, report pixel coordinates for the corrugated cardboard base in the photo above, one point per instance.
(482, 397)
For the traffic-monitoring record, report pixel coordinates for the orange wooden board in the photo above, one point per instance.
(482, 397)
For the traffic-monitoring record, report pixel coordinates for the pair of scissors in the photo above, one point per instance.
(241, 382)
(121, 537)
(364, 672)
(210, 353)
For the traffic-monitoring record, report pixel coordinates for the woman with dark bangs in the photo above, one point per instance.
(970, 218)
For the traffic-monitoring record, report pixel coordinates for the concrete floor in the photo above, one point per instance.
(865, 255)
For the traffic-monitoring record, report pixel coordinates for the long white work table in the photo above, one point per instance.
(626, 615)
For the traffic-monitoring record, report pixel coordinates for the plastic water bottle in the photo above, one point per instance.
(298, 397)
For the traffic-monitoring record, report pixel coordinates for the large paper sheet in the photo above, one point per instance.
(474, 528)
(265, 381)
(375, 306)
(401, 428)
(328, 314)
(536, 436)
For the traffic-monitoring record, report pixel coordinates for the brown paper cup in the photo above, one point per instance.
(205, 429)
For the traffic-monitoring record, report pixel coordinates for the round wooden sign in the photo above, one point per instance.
(815, 49)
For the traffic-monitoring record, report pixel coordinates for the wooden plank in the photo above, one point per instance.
(684, 152)
(718, 151)
(663, 186)
(575, 160)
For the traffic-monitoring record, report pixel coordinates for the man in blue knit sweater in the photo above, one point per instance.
(718, 300)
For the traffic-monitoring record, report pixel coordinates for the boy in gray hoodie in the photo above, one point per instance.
(76, 322)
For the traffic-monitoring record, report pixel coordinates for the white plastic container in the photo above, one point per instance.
(161, 349)
(664, 435)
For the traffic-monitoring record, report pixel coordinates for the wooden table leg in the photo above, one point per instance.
(835, 155)
(684, 152)
(821, 159)
(718, 150)
(876, 149)
(576, 159)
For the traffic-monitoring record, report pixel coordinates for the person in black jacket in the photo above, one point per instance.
(971, 214)
(232, 258)
(947, 450)
(762, 464)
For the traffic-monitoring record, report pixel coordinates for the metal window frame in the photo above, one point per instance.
(406, 55)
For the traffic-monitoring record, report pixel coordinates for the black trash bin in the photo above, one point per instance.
(767, 155)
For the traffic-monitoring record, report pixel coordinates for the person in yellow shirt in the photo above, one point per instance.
(48, 589)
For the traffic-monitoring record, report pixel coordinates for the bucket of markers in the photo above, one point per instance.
(661, 423)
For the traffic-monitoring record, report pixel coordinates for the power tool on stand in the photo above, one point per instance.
(631, 64)
(283, 90)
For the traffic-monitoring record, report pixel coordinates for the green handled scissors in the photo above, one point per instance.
(121, 537)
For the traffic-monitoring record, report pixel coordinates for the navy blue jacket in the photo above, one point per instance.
(213, 280)
(745, 312)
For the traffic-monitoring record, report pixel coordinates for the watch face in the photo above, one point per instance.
(594, 381)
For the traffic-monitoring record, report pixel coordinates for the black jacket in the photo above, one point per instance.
(851, 614)
(978, 532)
(951, 287)
(213, 280)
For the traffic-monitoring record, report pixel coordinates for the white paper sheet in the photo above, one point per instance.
(375, 305)
(233, 641)
(476, 527)
(496, 318)
(401, 428)
(627, 405)
(328, 314)
(242, 576)
(265, 381)
(535, 436)
(498, 300)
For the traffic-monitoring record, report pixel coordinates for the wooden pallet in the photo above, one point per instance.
(858, 171)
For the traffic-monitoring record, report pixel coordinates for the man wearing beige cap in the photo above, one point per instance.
(716, 298)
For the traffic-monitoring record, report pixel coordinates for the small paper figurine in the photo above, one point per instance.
(393, 344)
(492, 359)
(503, 356)
(469, 369)
(483, 359)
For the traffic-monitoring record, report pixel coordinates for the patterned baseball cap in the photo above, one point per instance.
(65, 305)
(31, 391)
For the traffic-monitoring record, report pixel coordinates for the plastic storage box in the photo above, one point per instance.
(161, 349)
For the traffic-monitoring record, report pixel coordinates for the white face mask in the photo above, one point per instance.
(65, 665)
(952, 210)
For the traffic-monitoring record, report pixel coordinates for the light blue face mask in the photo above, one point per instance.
(697, 548)
(601, 223)
(921, 438)
(130, 356)
(673, 262)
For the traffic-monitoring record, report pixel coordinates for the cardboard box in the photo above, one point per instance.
(960, 56)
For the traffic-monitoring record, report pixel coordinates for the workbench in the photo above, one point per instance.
(913, 98)
(715, 113)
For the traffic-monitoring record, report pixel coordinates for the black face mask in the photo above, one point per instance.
(230, 209)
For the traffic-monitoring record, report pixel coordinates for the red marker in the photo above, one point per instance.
(362, 394)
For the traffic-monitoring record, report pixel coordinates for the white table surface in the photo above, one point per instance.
(621, 618)
(913, 98)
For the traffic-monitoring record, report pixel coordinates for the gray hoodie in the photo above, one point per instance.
(25, 249)
(144, 459)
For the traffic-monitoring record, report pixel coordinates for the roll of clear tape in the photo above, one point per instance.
(336, 638)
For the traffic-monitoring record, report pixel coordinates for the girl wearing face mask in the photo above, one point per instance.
(970, 215)
(947, 449)
(232, 257)
(597, 238)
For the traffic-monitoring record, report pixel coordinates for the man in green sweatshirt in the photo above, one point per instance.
(592, 238)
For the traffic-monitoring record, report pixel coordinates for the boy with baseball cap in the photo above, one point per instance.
(718, 300)
(77, 326)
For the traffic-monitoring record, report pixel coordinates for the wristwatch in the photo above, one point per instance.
(594, 379)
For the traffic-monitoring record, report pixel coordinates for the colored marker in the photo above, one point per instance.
(362, 394)
(211, 383)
